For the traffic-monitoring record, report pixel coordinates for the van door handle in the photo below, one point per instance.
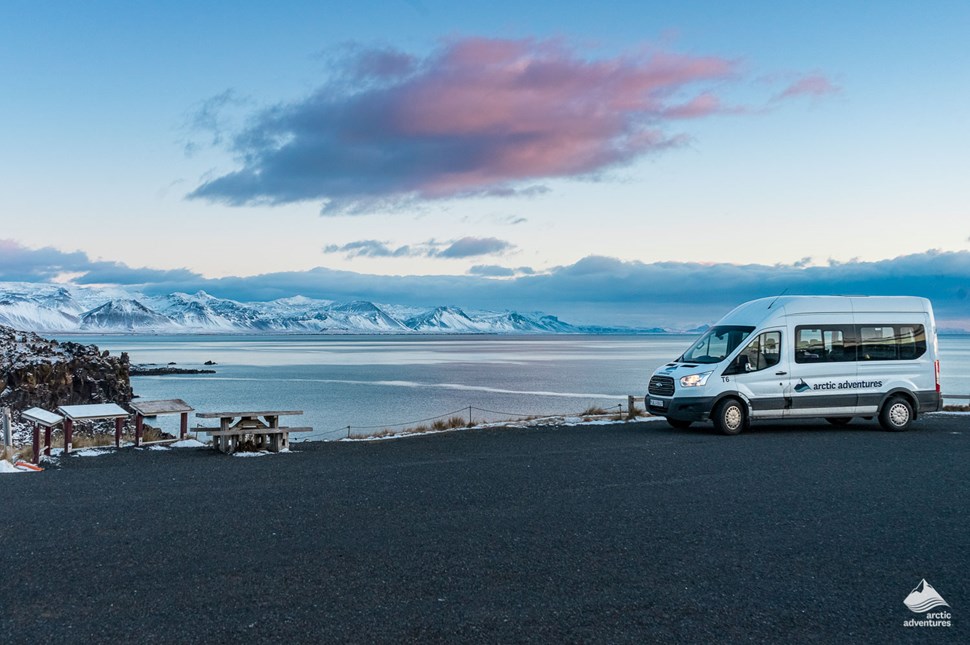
(780, 373)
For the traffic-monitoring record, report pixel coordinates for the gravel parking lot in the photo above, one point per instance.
(635, 532)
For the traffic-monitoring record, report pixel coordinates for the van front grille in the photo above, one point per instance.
(661, 386)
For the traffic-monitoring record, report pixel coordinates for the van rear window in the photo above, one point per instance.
(891, 342)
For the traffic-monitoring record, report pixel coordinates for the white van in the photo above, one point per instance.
(793, 357)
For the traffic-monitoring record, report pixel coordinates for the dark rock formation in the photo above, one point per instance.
(38, 372)
(143, 370)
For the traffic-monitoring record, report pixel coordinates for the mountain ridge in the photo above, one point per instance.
(42, 307)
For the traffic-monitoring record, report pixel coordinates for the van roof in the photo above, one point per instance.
(757, 312)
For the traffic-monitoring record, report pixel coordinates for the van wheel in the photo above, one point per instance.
(896, 415)
(730, 416)
(839, 421)
(678, 423)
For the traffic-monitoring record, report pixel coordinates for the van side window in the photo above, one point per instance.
(823, 344)
(764, 351)
(891, 342)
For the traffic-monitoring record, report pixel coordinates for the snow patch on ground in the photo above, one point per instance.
(188, 443)
(261, 453)
(7, 467)
(92, 452)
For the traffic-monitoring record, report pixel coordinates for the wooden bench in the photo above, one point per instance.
(262, 426)
(272, 439)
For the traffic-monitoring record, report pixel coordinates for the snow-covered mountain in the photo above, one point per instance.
(445, 318)
(68, 308)
(127, 314)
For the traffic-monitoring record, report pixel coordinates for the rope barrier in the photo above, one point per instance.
(407, 423)
(468, 408)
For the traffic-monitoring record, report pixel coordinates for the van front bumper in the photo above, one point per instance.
(681, 408)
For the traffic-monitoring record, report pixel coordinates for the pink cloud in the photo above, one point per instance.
(478, 116)
(814, 85)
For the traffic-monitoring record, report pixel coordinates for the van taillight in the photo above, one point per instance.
(936, 365)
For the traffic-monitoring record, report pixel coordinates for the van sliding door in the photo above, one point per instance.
(824, 372)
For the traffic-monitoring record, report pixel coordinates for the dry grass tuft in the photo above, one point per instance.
(592, 412)
(956, 408)
(84, 440)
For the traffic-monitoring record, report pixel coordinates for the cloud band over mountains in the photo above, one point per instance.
(465, 247)
(475, 117)
(594, 290)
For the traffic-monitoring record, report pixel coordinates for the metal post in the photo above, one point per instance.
(184, 426)
(470, 416)
(118, 422)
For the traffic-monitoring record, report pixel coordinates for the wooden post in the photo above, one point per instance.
(47, 441)
(118, 423)
(36, 443)
(68, 434)
(184, 426)
(6, 422)
(139, 427)
(631, 406)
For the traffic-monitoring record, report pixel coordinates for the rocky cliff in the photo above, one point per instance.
(38, 372)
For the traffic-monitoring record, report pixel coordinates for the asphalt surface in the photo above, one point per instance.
(623, 533)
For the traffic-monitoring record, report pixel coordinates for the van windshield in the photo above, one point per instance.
(716, 345)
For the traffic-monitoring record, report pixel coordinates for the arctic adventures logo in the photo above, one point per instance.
(837, 385)
(925, 598)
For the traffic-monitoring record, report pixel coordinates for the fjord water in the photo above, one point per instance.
(364, 381)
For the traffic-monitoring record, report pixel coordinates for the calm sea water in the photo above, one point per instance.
(363, 381)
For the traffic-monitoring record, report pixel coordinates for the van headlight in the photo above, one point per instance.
(695, 380)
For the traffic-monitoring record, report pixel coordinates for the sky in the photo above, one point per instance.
(623, 163)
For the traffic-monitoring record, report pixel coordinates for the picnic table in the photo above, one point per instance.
(155, 408)
(262, 427)
(41, 418)
(93, 412)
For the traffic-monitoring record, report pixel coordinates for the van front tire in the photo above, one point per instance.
(896, 415)
(730, 417)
